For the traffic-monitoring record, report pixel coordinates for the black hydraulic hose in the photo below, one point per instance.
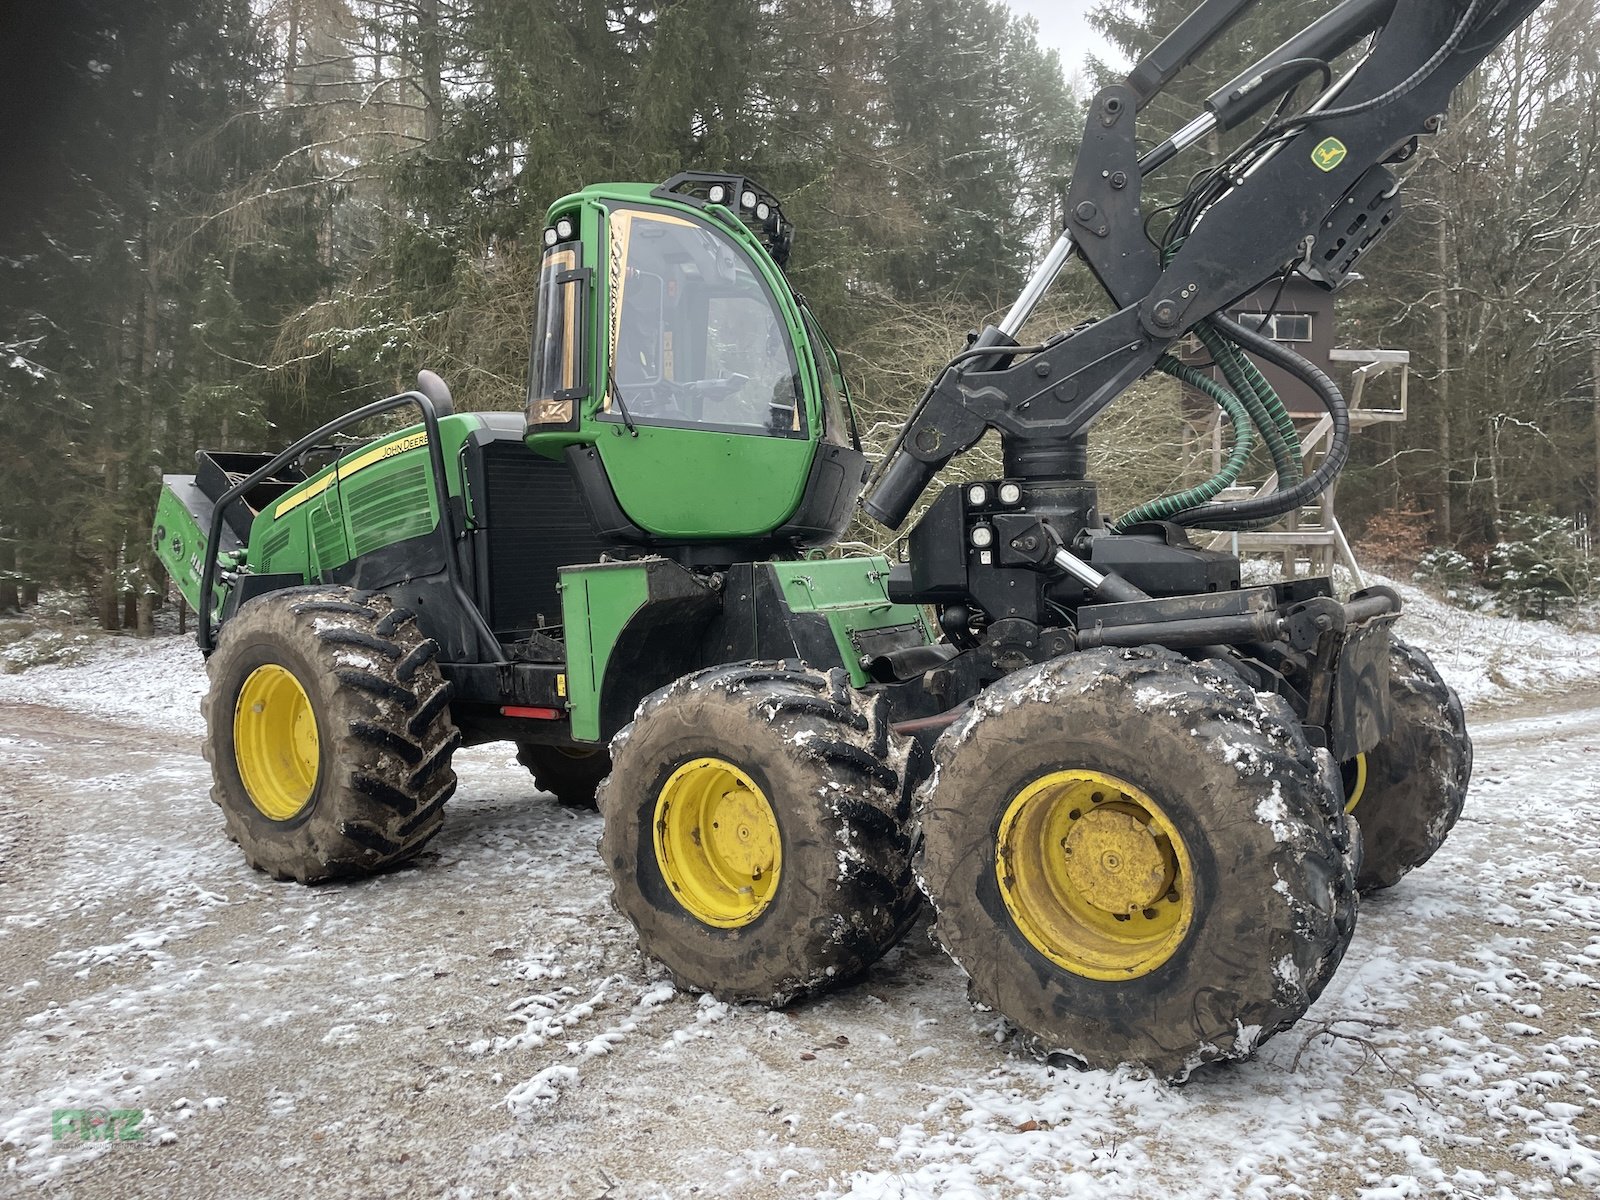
(1324, 40)
(1235, 512)
(993, 352)
(1405, 86)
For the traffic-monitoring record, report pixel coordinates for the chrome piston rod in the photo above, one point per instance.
(1036, 287)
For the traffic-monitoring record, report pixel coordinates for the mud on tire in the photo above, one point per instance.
(1271, 858)
(1416, 779)
(568, 773)
(384, 734)
(834, 778)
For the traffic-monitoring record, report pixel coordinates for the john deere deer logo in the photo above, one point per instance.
(1330, 152)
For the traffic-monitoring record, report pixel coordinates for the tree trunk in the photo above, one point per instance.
(1392, 436)
(430, 68)
(10, 598)
(110, 557)
(1594, 384)
(291, 60)
(1496, 427)
(152, 590)
(1442, 334)
(106, 594)
(1515, 86)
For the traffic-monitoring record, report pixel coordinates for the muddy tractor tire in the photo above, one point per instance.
(569, 773)
(1137, 860)
(755, 830)
(328, 732)
(1408, 791)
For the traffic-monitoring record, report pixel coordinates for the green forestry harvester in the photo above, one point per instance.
(1127, 784)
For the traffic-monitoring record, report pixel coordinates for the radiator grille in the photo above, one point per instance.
(395, 505)
(272, 546)
(327, 534)
(536, 524)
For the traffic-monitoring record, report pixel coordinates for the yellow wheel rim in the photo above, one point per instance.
(275, 742)
(1095, 875)
(1355, 782)
(717, 843)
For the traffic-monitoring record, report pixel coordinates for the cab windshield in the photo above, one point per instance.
(697, 338)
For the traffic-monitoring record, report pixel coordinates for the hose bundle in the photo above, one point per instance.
(1250, 402)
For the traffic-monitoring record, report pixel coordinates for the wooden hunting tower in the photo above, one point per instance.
(1304, 318)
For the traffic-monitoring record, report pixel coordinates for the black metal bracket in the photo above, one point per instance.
(206, 630)
(1103, 203)
(1048, 398)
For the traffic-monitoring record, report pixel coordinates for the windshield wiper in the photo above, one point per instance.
(622, 405)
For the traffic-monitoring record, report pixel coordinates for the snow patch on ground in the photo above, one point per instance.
(483, 1023)
(1492, 659)
(157, 682)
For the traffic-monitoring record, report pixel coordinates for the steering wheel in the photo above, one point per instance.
(689, 399)
(683, 399)
(718, 390)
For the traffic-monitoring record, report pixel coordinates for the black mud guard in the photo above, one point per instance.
(660, 642)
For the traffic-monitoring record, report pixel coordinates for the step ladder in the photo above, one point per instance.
(1312, 532)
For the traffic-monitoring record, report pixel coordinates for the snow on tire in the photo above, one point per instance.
(755, 831)
(328, 732)
(1136, 859)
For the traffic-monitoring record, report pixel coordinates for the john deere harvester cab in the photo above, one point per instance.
(692, 395)
(1136, 788)
(531, 577)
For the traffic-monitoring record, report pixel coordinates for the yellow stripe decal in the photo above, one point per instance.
(378, 453)
(311, 492)
(360, 463)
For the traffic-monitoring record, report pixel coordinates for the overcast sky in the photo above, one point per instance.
(1063, 27)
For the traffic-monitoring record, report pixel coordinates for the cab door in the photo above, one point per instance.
(705, 431)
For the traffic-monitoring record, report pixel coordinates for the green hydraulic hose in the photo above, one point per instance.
(1268, 412)
(1243, 443)
(1251, 387)
(1251, 402)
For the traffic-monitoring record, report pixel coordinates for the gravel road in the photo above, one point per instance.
(480, 1024)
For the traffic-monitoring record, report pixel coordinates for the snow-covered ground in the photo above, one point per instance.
(481, 1024)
